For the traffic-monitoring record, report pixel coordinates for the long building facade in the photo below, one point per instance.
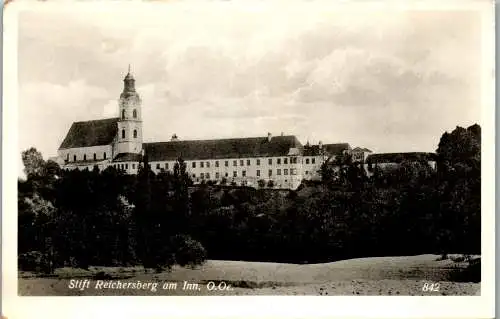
(118, 142)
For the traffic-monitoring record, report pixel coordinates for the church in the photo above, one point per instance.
(118, 142)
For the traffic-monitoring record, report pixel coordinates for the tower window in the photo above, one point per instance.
(135, 133)
(104, 155)
(134, 114)
(123, 133)
(95, 156)
(123, 114)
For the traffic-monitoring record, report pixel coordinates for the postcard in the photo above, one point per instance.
(247, 158)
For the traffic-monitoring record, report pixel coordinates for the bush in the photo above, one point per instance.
(34, 261)
(261, 183)
(470, 274)
(187, 251)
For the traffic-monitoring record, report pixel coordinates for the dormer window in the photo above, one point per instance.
(134, 114)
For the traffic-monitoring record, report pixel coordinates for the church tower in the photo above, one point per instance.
(130, 121)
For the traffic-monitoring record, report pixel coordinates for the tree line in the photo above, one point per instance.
(82, 218)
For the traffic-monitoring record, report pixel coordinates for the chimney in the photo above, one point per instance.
(174, 138)
(269, 136)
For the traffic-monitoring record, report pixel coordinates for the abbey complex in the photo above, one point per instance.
(118, 142)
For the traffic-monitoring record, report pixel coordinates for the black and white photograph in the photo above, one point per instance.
(251, 149)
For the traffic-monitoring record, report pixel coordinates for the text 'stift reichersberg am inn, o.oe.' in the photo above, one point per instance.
(153, 286)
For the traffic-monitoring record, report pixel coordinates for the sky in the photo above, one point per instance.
(391, 81)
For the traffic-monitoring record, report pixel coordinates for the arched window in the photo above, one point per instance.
(123, 133)
(134, 114)
(104, 155)
(74, 158)
(95, 156)
(84, 157)
(135, 133)
(123, 114)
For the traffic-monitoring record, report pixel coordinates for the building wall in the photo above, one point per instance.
(67, 155)
(242, 170)
(311, 165)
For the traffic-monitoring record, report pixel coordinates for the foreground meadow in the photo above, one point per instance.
(362, 276)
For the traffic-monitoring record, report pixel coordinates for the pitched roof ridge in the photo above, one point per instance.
(221, 139)
(98, 120)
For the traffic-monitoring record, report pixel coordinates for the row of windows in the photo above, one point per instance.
(122, 166)
(84, 157)
(293, 160)
(123, 133)
(313, 161)
(244, 173)
(134, 114)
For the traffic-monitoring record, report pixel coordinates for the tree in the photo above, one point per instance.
(459, 180)
(261, 183)
(33, 162)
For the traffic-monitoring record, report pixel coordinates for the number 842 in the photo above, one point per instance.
(430, 287)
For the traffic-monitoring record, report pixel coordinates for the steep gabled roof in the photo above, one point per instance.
(91, 133)
(399, 157)
(329, 149)
(361, 149)
(221, 148)
(127, 157)
(337, 149)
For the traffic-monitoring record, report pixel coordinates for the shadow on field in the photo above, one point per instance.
(471, 273)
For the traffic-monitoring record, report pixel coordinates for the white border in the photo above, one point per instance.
(305, 307)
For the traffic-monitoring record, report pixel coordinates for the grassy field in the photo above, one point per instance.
(363, 276)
